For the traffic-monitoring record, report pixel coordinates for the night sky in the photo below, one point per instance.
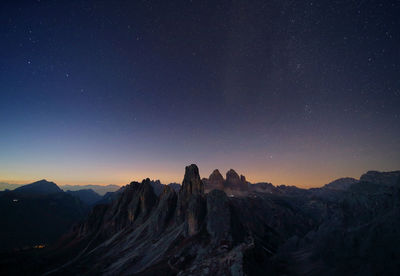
(289, 92)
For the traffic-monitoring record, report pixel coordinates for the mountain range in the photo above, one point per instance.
(99, 189)
(227, 226)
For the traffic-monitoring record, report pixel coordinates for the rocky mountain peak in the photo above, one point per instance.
(192, 183)
(216, 176)
(231, 175)
(190, 207)
(234, 183)
(214, 182)
(41, 187)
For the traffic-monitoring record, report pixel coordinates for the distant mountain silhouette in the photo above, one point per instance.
(41, 187)
(99, 189)
(87, 196)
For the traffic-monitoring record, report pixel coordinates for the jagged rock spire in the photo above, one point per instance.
(192, 183)
(191, 204)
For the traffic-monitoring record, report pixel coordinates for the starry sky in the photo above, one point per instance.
(289, 92)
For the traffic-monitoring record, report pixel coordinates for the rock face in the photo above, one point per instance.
(136, 202)
(191, 200)
(192, 183)
(191, 205)
(285, 232)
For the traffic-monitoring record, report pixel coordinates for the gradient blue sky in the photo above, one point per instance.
(290, 92)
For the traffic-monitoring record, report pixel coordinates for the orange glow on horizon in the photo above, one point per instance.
(300, 180)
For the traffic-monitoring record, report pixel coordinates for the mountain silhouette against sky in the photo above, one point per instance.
(99, 189)
(41, 187)
(347, 227)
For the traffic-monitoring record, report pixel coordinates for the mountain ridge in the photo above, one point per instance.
(195, 232)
